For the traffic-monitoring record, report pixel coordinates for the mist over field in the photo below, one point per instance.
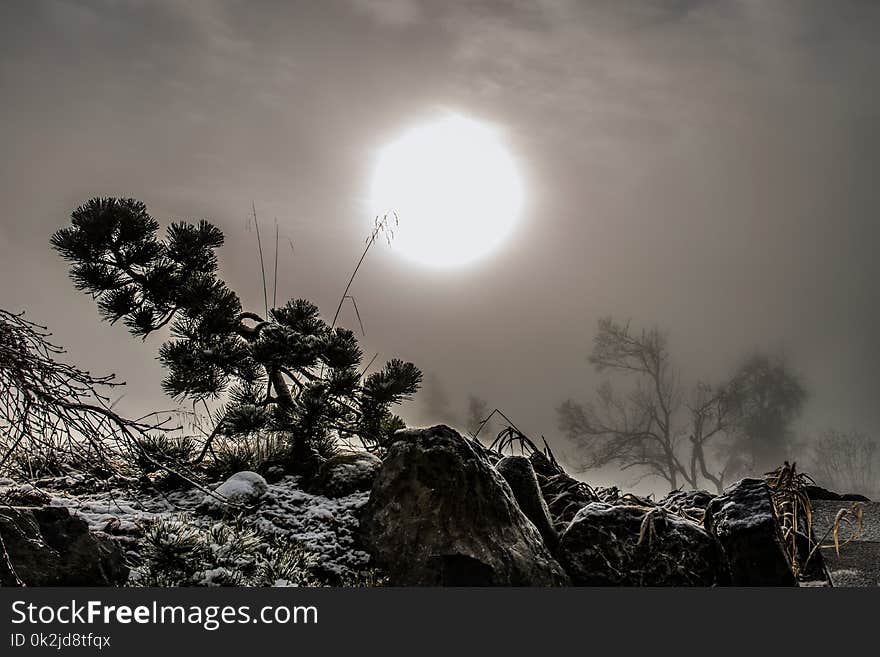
(704, 167)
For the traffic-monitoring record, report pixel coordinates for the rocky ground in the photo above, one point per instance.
(438, 510)
(325, 525)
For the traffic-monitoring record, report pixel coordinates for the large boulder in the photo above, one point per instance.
(520, 476)
(440, 515)
(347, 473)
(49, 547)
(628, 545)
(743, 521)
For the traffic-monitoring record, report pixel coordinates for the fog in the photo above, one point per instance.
(706, 167)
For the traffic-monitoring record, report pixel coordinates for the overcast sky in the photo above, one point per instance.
(706, 166)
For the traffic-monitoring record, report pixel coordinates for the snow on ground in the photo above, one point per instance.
(325, 526)
(322, 525)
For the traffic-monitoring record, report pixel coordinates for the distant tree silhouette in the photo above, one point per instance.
(767, 397)
(660, 427)
(287, 372)
(436, 406)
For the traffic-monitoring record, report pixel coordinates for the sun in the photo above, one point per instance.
(455, 188)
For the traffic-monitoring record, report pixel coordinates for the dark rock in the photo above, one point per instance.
(520, 475)
(274, 473)
(626, 545)
(691, 502)
(614, 496)
(819, 493)
(812, 563)
(565, 496)
(344, 474)
(542, 465)
(439, 514)
(854, 497)
(490, 454)
(743, 521)
(49, 547)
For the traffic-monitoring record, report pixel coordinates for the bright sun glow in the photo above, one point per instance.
(455, 188)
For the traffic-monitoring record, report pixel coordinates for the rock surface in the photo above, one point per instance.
(819, 493)
(439, 514)
(344, 474)
(627, 545)
(691, 502)
(520, 476)
(244, 488)
(49, 547)
(564, 495)
(745, 525)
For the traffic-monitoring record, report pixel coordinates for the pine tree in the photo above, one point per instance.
(289, 372)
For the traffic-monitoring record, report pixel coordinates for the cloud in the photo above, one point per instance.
(396, 13)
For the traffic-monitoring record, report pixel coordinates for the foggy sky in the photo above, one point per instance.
(709, 167)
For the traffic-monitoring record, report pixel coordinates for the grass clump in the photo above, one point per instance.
(156, 450)
(177, 552)
(256, 452)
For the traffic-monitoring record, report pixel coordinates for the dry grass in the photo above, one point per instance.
(793, 508)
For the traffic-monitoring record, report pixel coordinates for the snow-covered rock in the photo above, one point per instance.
(243, 488)
(745, 525)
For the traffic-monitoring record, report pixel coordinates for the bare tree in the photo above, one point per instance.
(656, 427)
(54, 409)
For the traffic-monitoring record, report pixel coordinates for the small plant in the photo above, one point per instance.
(38, 462)
(158, 449)
(291, 565)
(370, 578)
(256, 453)
(23, 495)
(793, 508)
(178, 552)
